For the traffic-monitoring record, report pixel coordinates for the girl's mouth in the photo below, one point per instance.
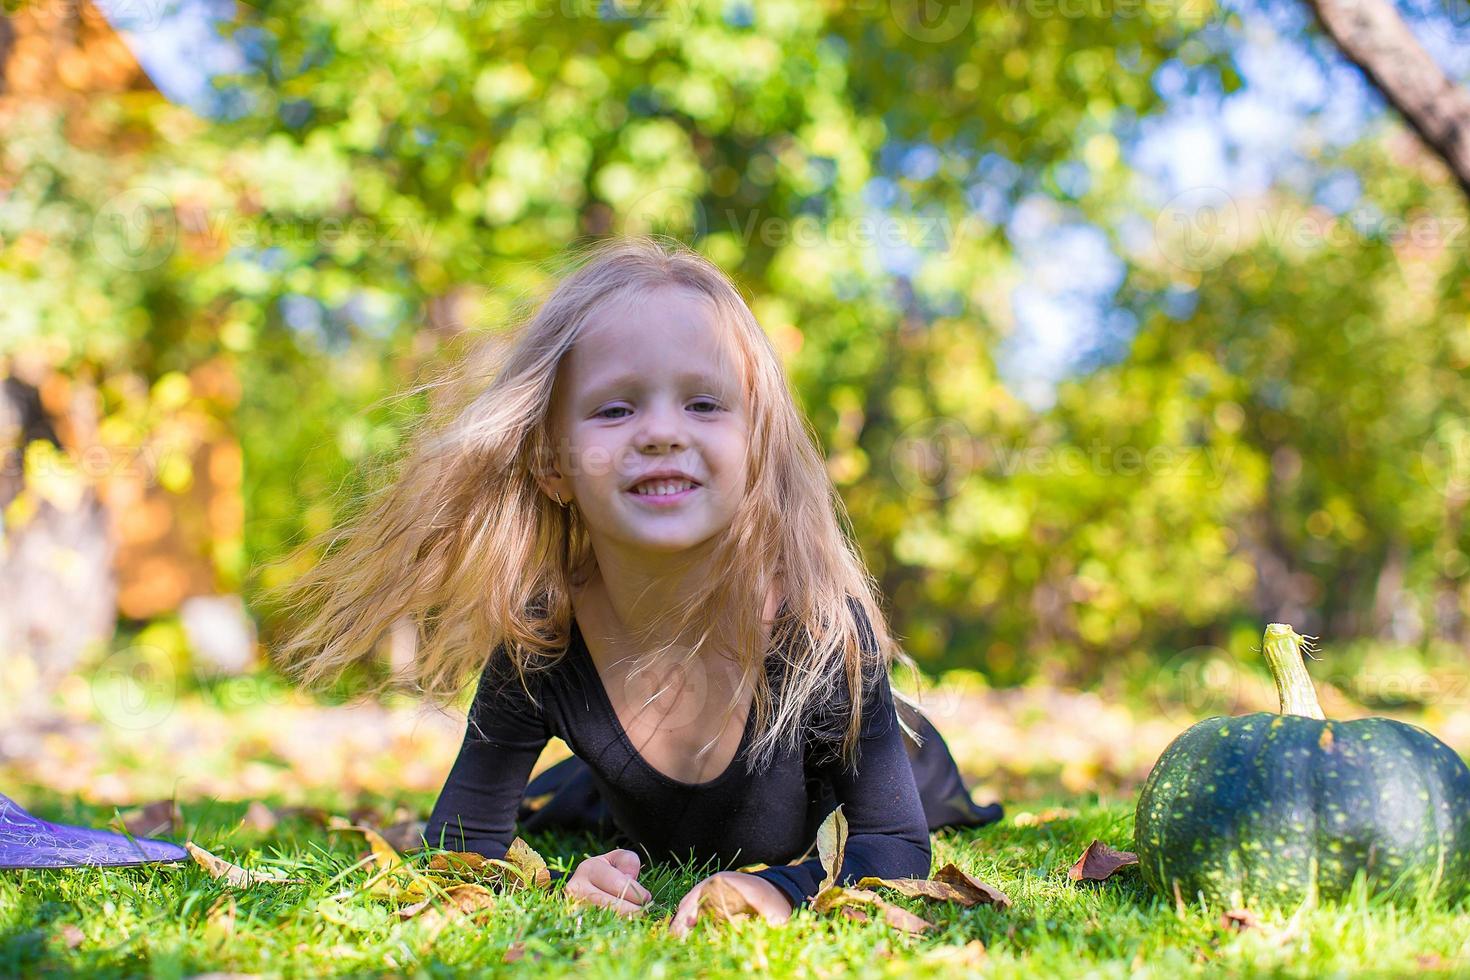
(664, 498)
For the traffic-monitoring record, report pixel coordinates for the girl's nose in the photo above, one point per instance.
(663, 427)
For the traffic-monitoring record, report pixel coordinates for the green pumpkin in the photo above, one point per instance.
(1265, 807)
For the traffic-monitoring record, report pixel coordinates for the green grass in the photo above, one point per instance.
(154, 920)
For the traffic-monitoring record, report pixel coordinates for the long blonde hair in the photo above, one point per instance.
(463, 543)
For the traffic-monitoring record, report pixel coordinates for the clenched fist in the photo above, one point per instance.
(609, 880)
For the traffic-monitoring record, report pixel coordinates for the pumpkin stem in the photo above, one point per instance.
(1283, 646)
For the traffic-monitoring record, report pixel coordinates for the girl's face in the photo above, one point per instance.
(651, 386)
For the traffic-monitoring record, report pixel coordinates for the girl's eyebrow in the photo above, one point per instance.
(634, 379)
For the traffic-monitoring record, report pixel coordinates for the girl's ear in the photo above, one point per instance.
(546, 471)
(554, 485)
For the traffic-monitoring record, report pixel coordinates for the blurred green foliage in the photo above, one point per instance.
(1285, 436)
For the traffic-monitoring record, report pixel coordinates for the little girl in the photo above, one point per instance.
(624, 506)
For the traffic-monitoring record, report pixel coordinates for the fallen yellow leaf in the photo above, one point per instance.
(832, 846)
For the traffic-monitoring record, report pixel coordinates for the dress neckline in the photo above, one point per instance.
(579, 644)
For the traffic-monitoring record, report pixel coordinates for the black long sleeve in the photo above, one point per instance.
(504, 735)
(887, 833)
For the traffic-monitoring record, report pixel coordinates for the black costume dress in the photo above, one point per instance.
(899, 792)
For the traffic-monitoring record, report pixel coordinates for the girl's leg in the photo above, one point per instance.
(947, 802)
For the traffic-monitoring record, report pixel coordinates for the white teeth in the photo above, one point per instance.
(661, 488)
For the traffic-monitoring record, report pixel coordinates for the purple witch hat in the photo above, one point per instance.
(30, 842)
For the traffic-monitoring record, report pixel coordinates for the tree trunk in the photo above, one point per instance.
(1373, 36)
(57, 586)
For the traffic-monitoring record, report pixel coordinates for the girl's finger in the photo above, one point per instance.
(684, 915)
(616, 884)
(594, 896)
(625, 861)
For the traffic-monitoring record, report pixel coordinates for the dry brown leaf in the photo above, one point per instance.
(393, 879)
(972, 954)
(1239, 920)
(221, 916)
(836, 896)
(982, 893)
(1100, 862)
(465, 899)
(948, 884)
(514, 952)
(311, 814)
(260, 817)
(415, 910)
(385, 857)
(720, 901)
(458, 862)
(470, 898)
(365, 815)
(153, 819)
(234, 875)
(1026, 819)
(530, 865)
(854, 913)
(521, 867)
(832, 845)
(903, 919)
(534, 803)
(433, 921)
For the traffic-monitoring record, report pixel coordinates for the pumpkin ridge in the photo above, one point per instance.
(1160, 796)
(1286, 814)
(1237, 840)
(1414, 744)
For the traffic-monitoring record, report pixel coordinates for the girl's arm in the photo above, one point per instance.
(887, 833)
(504, 735)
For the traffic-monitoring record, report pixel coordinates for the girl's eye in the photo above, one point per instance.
(714, 406)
